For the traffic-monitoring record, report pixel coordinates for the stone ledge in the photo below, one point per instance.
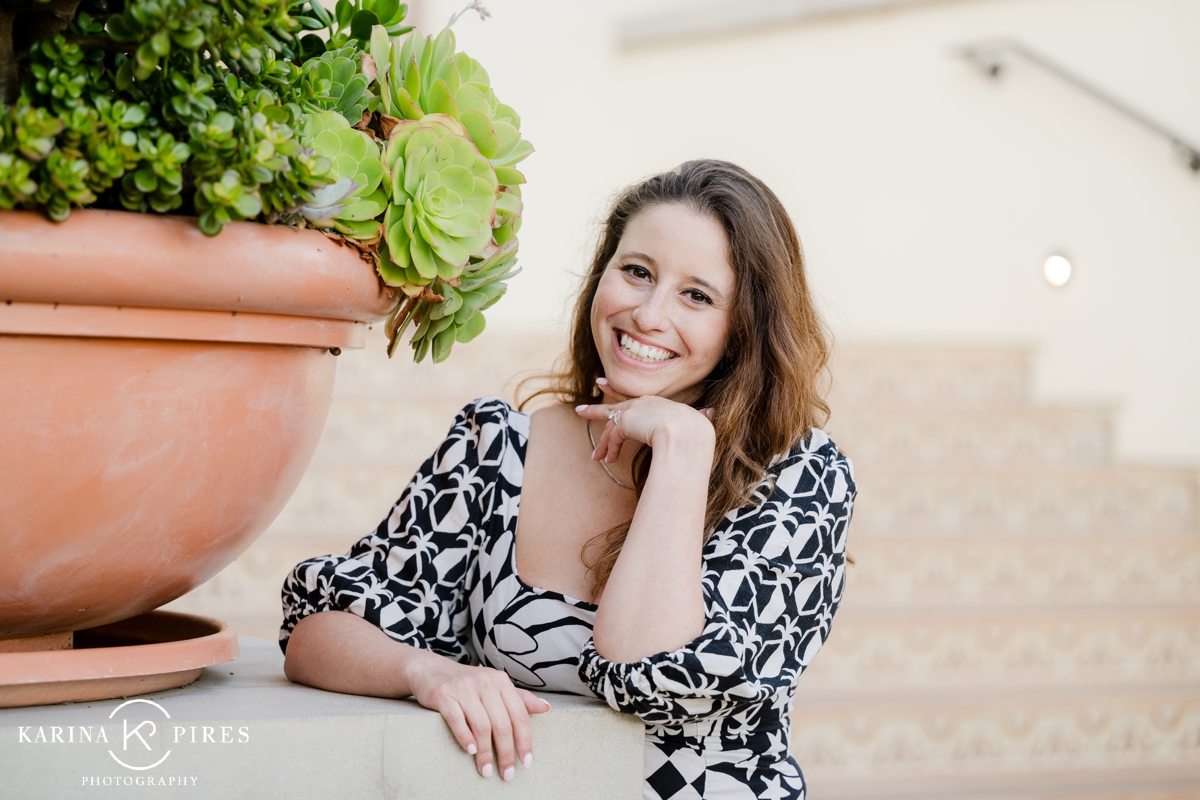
(306, 743)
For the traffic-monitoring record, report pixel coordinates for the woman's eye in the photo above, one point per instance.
(699, 296)
(636, 271)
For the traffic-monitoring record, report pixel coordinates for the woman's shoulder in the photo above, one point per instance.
(813, 466)
(490, 434)
(808, 492)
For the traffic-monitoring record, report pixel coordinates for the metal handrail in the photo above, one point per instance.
(987, 58)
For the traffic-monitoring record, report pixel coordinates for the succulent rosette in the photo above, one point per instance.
(352, 203)
(426, 75)
(453, 192)
(442, 195)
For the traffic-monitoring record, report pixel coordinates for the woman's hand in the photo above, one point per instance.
(487, 714)
(642, 419)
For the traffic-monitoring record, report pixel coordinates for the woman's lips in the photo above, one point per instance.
(634, 352)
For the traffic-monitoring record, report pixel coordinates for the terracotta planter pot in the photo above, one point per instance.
(161, 394)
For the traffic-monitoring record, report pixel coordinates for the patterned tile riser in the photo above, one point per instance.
(999, 572)
(924, 377)
(1048, 501)
(986, 734)
(884, 652)
(1014, 438)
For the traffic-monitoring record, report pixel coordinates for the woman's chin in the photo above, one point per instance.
(640, 386)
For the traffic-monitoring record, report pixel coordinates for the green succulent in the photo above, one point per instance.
(158, 180)
(353, 155)
(425, 75)
(442, 201)
(31, 131)
(229, 110)
(224, 200)
(339, 77)
(63, 184)
(16, 186)
(456, 314)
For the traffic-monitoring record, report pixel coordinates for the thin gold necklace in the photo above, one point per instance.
(602, 463)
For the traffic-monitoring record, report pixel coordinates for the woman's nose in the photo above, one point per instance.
(651, 314)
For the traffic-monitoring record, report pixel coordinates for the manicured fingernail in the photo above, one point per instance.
(602, 380)
(510, 773)
(527, 760)
(471, 749)
(580, 408)
(486, 771)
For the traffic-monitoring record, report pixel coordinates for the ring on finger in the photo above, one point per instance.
(614, 415)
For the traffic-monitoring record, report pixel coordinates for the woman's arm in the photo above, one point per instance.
(773, 577)
(653, 601)
(381, 620)
(341, 652)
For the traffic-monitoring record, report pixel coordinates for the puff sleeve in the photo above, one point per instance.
(772, 578)
(411, 576)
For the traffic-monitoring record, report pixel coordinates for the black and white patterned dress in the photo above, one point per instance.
(440, 573)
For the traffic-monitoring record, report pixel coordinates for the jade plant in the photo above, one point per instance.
(281, 112)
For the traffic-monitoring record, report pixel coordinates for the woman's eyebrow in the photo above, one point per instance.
(720, 295)
(642, 256)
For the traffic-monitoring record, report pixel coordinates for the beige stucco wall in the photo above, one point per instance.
(927, 196)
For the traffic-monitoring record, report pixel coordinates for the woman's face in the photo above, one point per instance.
(661, 312)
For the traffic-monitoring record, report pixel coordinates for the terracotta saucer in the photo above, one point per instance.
(147, 653)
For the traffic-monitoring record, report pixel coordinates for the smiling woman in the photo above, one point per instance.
(688, 578)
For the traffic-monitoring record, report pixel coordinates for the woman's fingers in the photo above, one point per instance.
(596, 411)
(481, 729)
(533, 703)
(602, 443)
(456, 720)
(502, 733)
(614, 442)
(522, 735)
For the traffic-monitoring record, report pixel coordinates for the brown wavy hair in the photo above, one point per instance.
(765, 391)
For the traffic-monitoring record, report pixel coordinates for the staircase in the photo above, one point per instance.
(1023, 618)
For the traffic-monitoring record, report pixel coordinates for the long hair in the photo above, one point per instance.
(764, 391)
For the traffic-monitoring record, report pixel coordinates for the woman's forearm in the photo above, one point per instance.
(653, 601)
(342, 652)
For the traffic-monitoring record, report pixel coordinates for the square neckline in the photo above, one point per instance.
(512, 547)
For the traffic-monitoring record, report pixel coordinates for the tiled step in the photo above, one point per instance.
(898, 650)
(1002, 437)
(1005, 571)
(975, 743)
(1047, 501)
(929, 377)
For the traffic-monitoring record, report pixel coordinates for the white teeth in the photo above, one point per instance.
(643, 352)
